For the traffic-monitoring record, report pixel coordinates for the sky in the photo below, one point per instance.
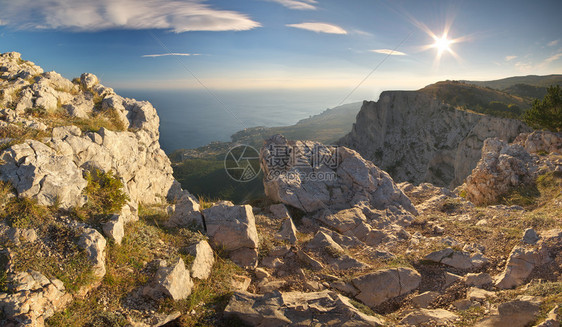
(349, 45)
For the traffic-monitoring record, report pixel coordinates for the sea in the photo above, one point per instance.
(193, 118)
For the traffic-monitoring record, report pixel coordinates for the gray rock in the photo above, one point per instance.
(517, 313)
(204, 260)
(279, 211)
(424, 300)
(233, 228)
(185, 212)
(457, 259)
(33, 298)
(88, 80)
(502, 168)
(288, 231)
(377, 287)
(422, 316)
(478, 294)
(37, 171)
(478, 279)
(310, 261)
(324, 308)
(520, 264)
(530, 236)
(94, 244)
(173, 281)
(347, 181)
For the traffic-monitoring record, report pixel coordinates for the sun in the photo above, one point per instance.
(442, 44)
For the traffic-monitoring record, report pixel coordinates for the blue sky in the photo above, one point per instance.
(284, 44)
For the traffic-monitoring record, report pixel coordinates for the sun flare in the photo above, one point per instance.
(442, 44)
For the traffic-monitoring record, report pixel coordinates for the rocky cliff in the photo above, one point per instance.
(417, 138)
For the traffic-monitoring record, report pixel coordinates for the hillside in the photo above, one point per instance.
(532, 80)
(478, 99)
(95, 231)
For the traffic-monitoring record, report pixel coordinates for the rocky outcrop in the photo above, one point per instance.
(233, 229)
(416, 138)
(324, 308)
(310, 176)
(51, 169)
(32, 298)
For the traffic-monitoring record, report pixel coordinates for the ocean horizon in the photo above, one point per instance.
(193, 118)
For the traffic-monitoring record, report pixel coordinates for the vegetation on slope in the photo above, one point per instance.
(546, 113)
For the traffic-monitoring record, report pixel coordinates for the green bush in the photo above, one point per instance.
(105, 196)
(546, 114)
(24, 213)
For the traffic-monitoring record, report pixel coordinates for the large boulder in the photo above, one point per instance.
(377, 287)
(310, 176)
(502, 168)
(324, 308)
(233, 229)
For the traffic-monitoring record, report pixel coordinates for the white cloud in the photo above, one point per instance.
(297, 4)
(510, 58)
(169, 54)
(553, 43)
(86, 15)
(320, 28)
(552, 58)
(389, 52)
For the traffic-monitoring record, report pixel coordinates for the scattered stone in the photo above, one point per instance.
(308, 260)
(325, 308)
(344, 287)
(457, 259)
(422, 316)
(186, 212)
(266, 286)
(478, 294)
(204, 260)
(288, 231)
(463, 304)
(173, 281)
(530, 236)
(424, 300)
(261, 273)
(240, 282)
(279, 211)
(377, 287)
(94, 244)
(234, 229)
(521, 262)
(516, 313)
(451, 278)
(478, 279)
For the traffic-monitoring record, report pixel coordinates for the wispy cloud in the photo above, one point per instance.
(297, 4)
(320, 28)
(553, 43)
(169, 54)
(361, 32)
(86, 15)
(552, 58)
(510, 58)
(389, 52)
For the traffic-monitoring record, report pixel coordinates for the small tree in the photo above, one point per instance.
(546, 114)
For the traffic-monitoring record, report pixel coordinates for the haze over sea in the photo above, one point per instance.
(193, 118)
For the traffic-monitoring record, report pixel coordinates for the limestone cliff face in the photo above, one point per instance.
(417, 138)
